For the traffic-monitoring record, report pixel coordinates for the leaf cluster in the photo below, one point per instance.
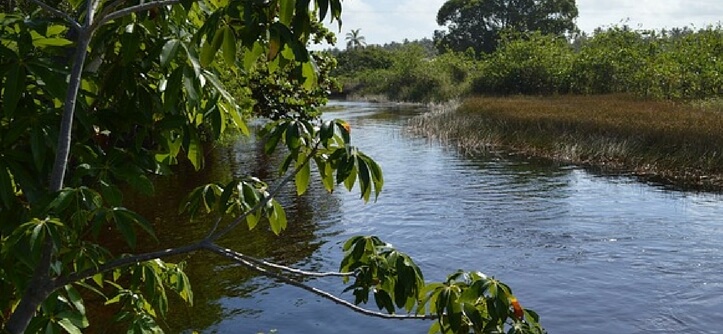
(467, 302)
(150, 97)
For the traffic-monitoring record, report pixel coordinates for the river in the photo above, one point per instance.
(590, 253)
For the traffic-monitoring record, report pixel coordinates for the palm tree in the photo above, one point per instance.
(354, 40)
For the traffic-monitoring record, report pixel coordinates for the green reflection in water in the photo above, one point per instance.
(214, 278)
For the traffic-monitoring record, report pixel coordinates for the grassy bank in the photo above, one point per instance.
(676, 143)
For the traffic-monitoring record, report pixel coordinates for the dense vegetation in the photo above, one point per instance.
(678, 64)
(99, 97)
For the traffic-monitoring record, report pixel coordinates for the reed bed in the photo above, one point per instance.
(679, 144)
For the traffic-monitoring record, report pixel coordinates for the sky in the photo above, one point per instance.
(384, 21)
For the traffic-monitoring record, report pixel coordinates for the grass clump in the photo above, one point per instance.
(672, 142)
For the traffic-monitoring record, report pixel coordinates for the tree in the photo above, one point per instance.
(131, 88)
(354, 40)
(478, 24)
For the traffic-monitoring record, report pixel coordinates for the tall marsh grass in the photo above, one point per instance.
(678, 143)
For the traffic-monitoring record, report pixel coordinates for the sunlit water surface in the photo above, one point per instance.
(591, 254)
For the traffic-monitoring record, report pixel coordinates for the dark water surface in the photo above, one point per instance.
(591, 254)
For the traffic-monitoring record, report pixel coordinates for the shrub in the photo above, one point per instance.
(526, 64)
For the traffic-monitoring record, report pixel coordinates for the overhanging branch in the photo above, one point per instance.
(242, 260)
(263, 202)
(121, 262)
(235, 255)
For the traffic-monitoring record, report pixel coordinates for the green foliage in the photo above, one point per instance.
(526, 64)
(130, 89)
(149, 96)
(478, 24)
(392, 276)
(464, 303)
(351, 62)
(681, 64)
(610, 61)
(405, 74)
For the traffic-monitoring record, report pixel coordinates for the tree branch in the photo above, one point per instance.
(109, 8)
(58, 13)
(134, 9)
(263, 263)
(41, 285)
(77, 276)
(233, 256)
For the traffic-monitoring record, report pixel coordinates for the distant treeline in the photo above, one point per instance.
(677, 64)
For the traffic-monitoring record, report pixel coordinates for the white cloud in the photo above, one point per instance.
(384, 21)
(648, 14)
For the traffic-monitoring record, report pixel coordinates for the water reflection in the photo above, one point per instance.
(217, 281)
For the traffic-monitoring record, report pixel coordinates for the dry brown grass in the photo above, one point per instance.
(677, 143)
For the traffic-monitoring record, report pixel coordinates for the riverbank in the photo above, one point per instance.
(678, 144)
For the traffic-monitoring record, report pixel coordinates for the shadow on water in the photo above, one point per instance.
(213, 278)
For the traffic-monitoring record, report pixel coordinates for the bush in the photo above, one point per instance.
(526, 64)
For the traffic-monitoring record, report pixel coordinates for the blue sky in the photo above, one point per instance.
(383, 21)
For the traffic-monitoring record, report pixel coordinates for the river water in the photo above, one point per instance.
(590, 253)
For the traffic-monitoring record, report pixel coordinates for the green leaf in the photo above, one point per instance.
(173, 89)
(272, 139)
(37, 236)
(111, 193)
(277, 218)
(7, 191)
(292, 138)
(237, 118)
(189, 82)
(68, 326)
(286, 13)
(377, 176)
(195, 152)
(384, 301)
(125, 226)
(252, 54)
(207, 54)
(75, 298)
(309, 71)
(74, 318)
(130, 44)
(14, 87)
(229, 46)
(435, 328)
(52, 79)
(302, 177)
(37, 146)
(336, 9)
(213, 79)
(56, 41)
(351, 177)
(323, 8)
(364, 179)
(141, 183)
(170, 49)
(134, 217)
(326, 132)
(98, 279)
(75, 3)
